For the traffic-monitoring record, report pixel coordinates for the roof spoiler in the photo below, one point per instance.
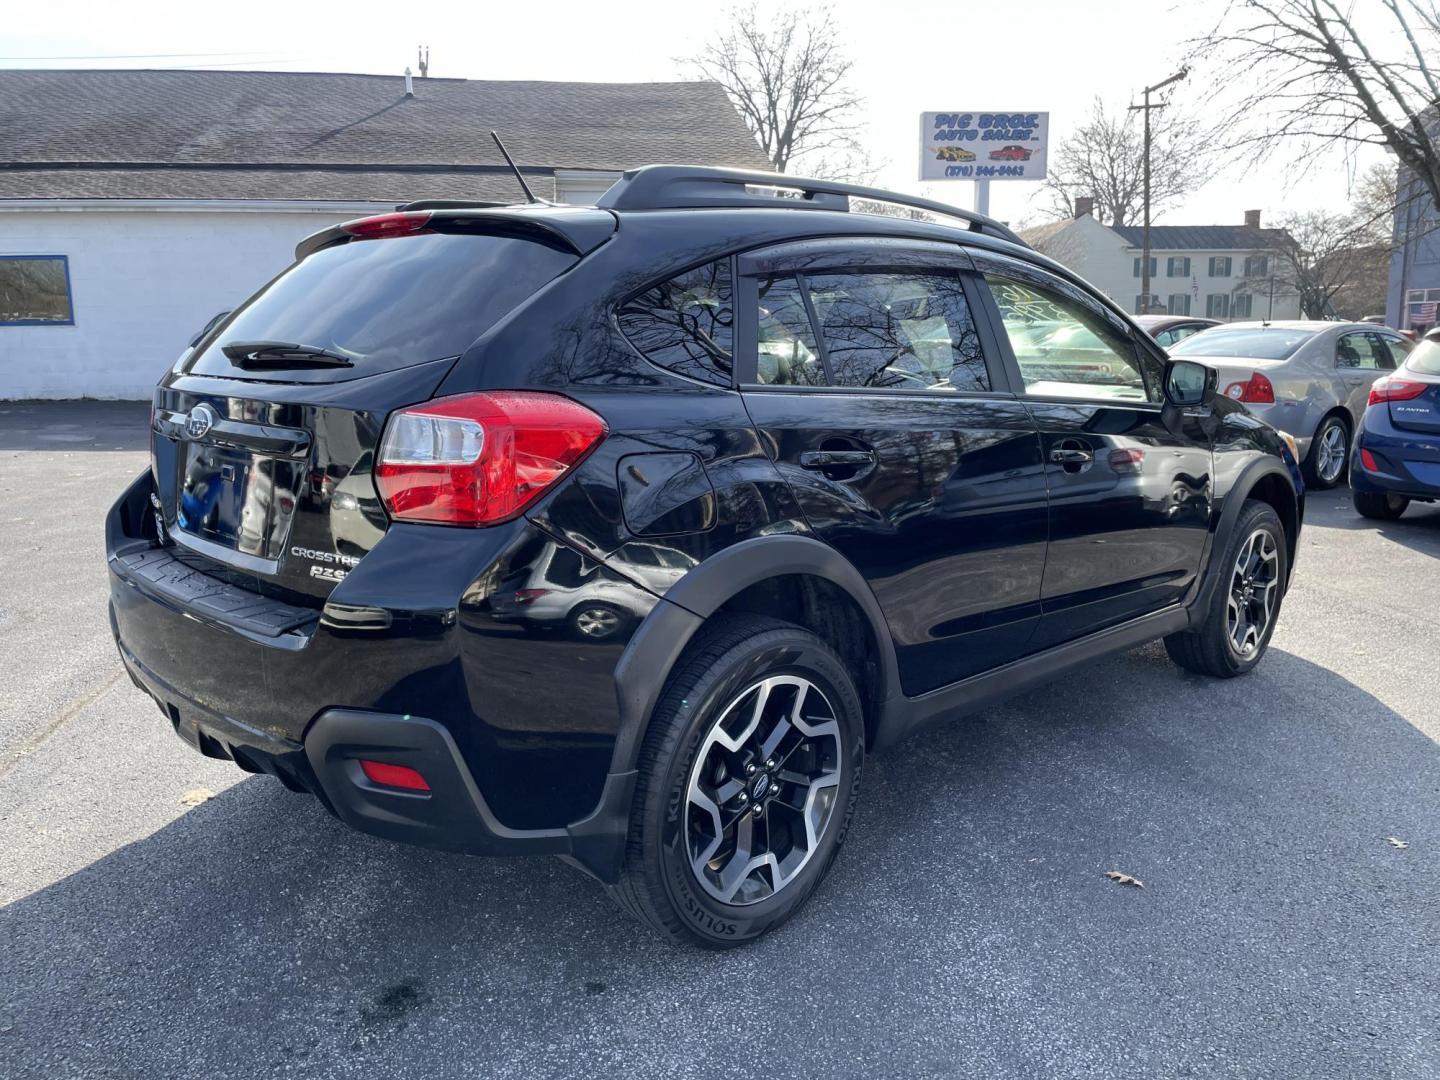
(667, 187)
(580, 229)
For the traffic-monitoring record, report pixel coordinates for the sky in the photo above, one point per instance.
(909, 57)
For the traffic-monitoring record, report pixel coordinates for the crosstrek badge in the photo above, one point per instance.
(339, 565)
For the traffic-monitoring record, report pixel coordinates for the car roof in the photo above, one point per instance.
(1316, 325)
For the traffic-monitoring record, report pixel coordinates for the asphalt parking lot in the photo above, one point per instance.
(967, 930)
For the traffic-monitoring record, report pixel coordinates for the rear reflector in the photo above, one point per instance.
(480, 459)
(382, 225)
(396, 776)
(1257, 391)
(1368, 460)
(1395, 389)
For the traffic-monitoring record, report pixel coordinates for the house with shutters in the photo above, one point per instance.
(136, 205)
(1226, 272)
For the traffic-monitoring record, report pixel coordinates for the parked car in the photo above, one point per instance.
(1011, 153)
(1379, 320)
(843, 474)
(1169, 329)
(1308, 379)
(563, 589)
(1397, 451)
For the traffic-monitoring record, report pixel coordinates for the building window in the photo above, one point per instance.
(1257, 265)
(35, 291)
(1154, 261)
(1179, 303)
(1240, 306)
(1422, 306)
(1177, 266)
(1141, 307)
(1219, 265)
(1217, 306)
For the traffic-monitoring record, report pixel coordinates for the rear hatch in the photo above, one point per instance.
(1421, 412)
(266, 432)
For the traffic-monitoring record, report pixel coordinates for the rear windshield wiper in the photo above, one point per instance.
(261, 355)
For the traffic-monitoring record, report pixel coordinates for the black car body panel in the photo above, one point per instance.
(969, 560)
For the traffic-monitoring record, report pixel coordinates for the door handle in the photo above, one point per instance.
(1064, 456)
(825, 459)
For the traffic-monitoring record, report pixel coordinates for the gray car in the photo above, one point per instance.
(1310, 380)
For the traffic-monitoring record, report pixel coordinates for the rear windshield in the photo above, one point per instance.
(1274, 343)
(1425, 360)
(388, 303)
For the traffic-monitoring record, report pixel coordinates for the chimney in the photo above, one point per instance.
(409, 84)
(1084, 206)
(1252, 219)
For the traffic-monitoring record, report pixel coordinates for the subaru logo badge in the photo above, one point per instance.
(201, 419)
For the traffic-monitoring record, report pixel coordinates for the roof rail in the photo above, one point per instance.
(675, 187)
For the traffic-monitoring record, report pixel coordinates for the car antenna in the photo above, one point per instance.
(529, 195)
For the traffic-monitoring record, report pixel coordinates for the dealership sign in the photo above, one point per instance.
(983, 145)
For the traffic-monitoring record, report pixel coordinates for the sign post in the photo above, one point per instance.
(983, 146)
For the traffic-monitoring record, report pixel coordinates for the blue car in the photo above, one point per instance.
(1396, 459)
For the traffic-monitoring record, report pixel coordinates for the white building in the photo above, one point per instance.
(135, 205)
(1226, 272)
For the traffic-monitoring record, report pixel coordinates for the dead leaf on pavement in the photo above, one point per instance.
(1395, 841)
(195, 796)
(1124, 879)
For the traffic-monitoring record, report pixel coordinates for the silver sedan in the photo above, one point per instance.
(1308, 379)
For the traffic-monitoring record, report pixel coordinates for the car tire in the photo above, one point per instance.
(1380, 505)
(1254, 569)
(1329, 453)
(597, 622)
(739, 681)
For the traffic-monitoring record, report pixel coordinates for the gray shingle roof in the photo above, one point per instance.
(1201, 237)
(264, 135)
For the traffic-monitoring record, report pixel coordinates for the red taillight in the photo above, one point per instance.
(1125, 458)
(1257, 391)
(382, 225)
(396, 776)
(480, 459)
(1391, 388)
(1368, 460)
(528, 596)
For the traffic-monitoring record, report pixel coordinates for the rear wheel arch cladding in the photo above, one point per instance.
(667, 631)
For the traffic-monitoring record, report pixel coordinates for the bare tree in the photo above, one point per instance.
(787, 72)
(1336, 263)
(1104, 160)
(1335, 74)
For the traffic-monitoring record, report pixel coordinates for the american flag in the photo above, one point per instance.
(1423, 313)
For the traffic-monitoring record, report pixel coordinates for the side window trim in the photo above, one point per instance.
(816, 330)
(999, 358)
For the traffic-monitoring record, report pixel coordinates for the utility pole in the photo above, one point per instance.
(1145, 231)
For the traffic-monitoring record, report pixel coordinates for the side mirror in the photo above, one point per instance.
(214, 322)
(1188, 384)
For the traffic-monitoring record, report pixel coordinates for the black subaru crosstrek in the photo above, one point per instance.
(623, 533)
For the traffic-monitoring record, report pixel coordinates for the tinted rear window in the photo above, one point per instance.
(1274, 344)
(388, 303)
(1426, 358)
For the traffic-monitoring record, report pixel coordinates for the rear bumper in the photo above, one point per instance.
(451, 816)
(303, 694)
(1407, 463)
